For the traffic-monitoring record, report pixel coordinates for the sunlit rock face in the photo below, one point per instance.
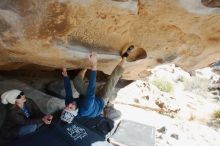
(57, 33)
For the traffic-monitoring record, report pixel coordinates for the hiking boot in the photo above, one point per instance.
(133, 54)
(112, 113)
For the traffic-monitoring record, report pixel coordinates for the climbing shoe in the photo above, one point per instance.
(133, 54)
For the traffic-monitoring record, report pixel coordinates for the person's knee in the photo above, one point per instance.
(33, 127)
(27, 129)
(77, 81)
(79, 85)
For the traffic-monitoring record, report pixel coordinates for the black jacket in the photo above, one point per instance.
(16, 118)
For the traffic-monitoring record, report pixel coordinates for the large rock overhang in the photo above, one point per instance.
(58, 33)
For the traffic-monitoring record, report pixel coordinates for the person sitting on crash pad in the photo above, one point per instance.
(23, 116)
(88, 104)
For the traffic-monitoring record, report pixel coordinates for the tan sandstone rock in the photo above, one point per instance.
(57, 33)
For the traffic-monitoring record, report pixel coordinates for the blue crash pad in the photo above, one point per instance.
(58, 134)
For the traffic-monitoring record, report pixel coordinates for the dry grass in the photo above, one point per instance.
(196, 84)
(162, 85)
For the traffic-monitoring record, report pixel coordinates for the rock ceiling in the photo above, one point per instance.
(57, 33)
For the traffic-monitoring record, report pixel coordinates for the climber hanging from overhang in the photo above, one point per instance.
(89, 105)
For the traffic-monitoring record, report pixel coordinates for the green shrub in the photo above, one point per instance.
(162, 85)
(217, 114)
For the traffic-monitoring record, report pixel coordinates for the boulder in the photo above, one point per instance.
(59, 33)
